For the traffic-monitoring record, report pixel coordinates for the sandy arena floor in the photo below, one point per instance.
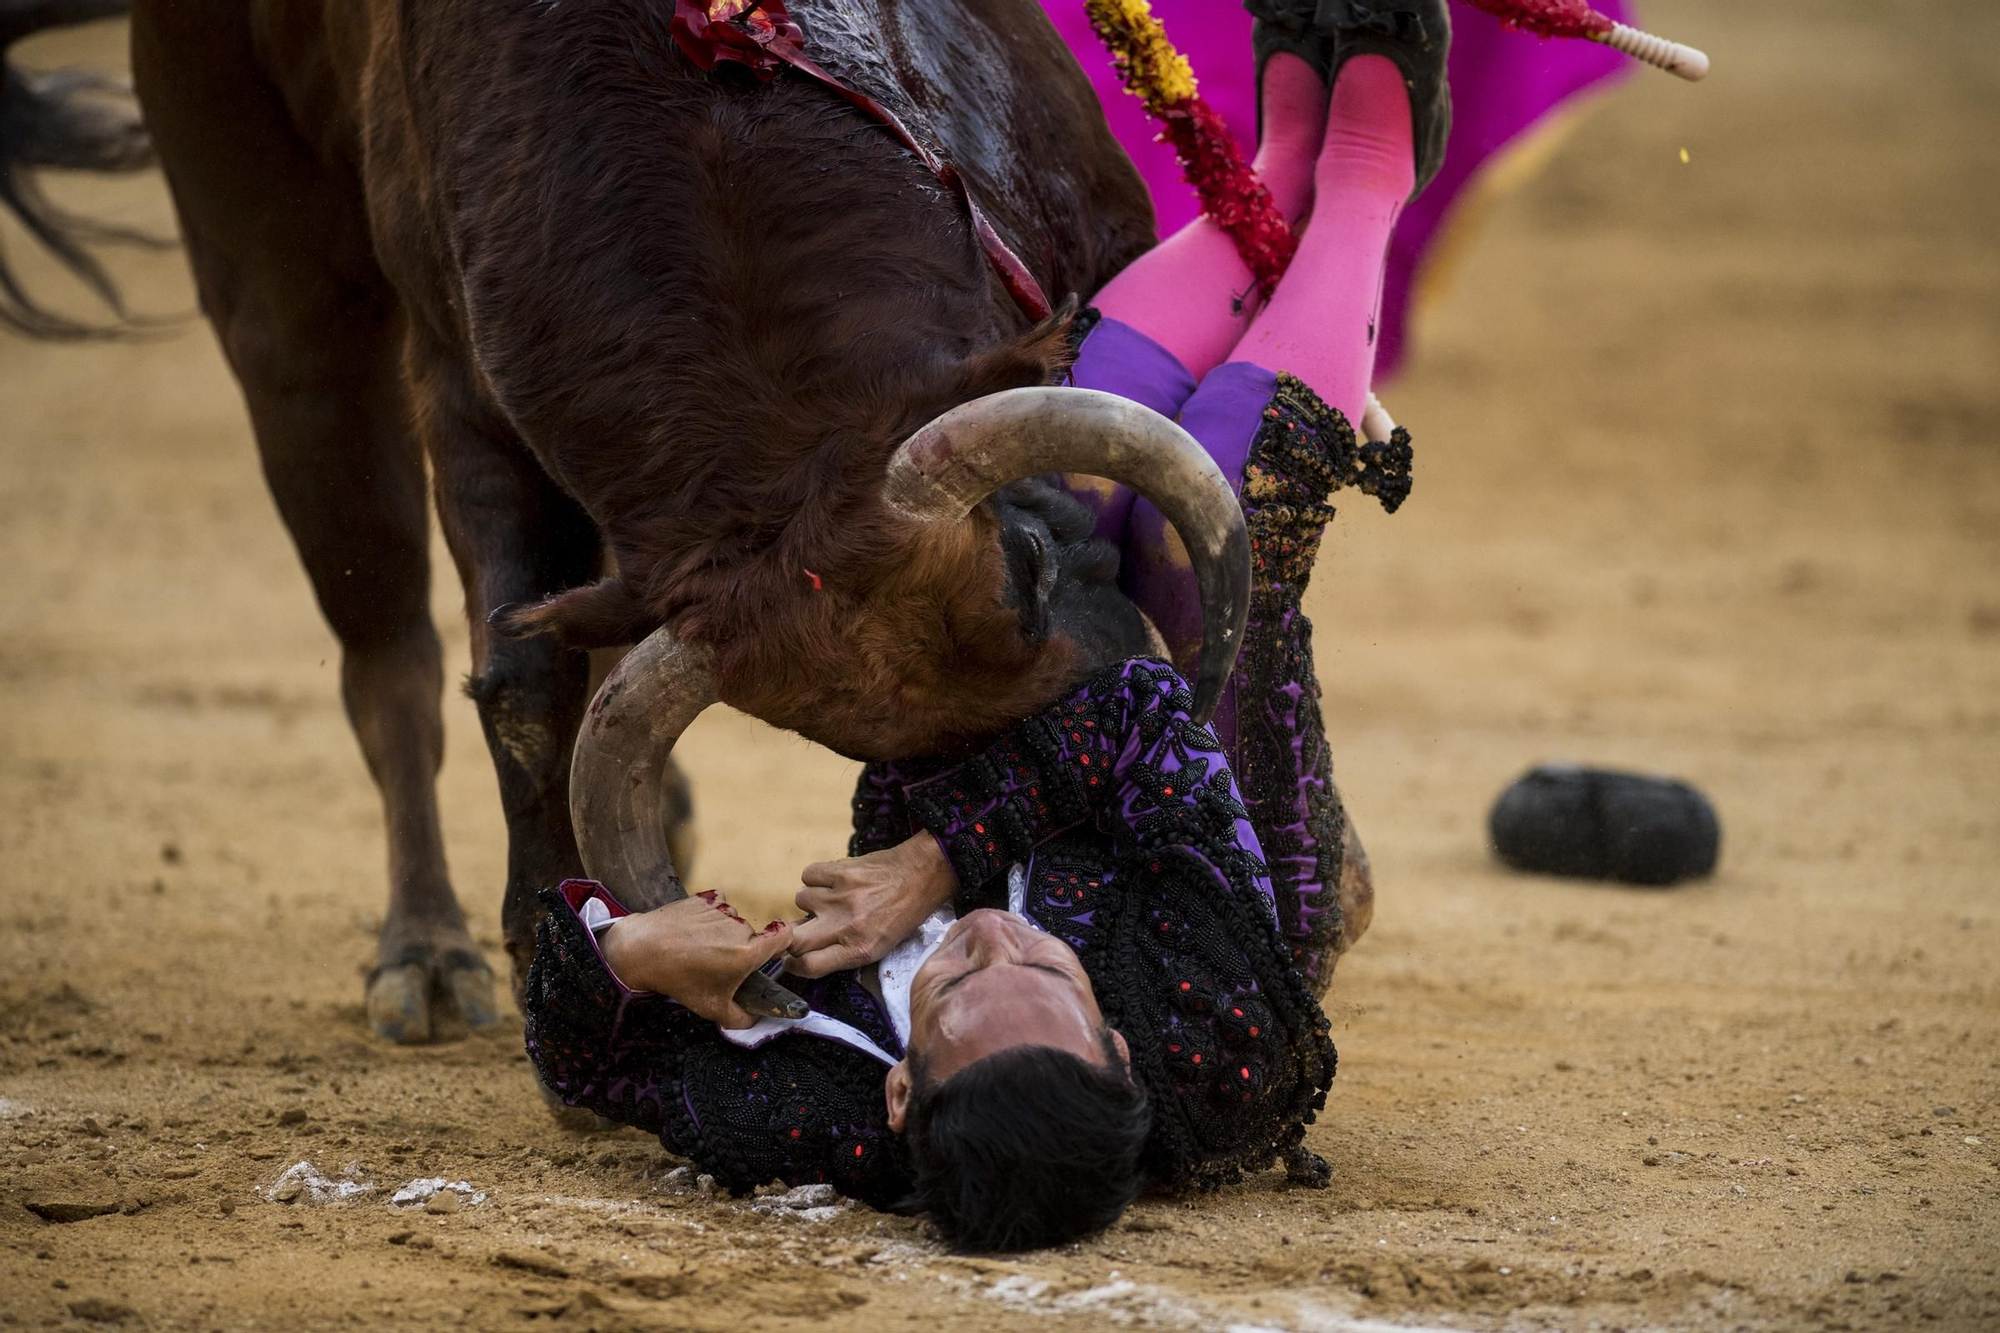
(1709, 483)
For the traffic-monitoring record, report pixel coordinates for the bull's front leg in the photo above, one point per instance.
(515, 537)
(312, 329)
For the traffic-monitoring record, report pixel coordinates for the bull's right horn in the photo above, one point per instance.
(943, 471)
(619, 800)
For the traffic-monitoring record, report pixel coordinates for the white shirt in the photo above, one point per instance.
(893, 975)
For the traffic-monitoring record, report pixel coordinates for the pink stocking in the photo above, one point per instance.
(1192, 293)
(1320, 323)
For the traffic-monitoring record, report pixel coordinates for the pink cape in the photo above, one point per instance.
(1503, 85)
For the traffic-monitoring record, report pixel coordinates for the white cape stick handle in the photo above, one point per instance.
(1376, 423)
(1658, 52)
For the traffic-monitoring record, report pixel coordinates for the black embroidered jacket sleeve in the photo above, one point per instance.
(881, 815)
(1122, 754)
(797, 1109)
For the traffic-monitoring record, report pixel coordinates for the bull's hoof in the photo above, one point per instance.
(468, 983)
(399, 1005)
(411, 994)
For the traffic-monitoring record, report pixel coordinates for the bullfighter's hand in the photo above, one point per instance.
(864, 906)
(696, 951)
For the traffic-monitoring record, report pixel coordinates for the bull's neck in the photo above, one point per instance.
(773, 455)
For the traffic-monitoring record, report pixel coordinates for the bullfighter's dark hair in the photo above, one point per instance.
(1028, 1147)
(62, 119)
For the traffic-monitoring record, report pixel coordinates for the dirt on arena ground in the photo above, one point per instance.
(1709, 483)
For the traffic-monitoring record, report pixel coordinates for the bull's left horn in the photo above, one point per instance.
(619, 801)
(940, 473)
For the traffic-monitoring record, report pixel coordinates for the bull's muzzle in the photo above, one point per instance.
(941, 473)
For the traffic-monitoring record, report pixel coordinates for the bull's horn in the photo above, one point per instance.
(619, 801)
(940, 473)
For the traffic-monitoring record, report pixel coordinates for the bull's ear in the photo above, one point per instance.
(1039, 356)
(599, 615)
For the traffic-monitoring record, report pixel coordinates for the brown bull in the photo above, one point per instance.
(678, 326)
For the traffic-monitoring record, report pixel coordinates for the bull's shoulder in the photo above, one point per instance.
(995, 87)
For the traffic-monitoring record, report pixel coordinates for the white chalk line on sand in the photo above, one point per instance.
(1123, 1301)
(1119, 1301)
(302, 1182)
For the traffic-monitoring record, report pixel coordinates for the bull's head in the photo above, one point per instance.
(977, 598)
(964, 468)
(948, 469)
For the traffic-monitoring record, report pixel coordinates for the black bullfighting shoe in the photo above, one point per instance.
(1287, 26)
(1416, 35)
(1595, 824)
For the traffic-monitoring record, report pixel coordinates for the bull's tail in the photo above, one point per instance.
(63, 119)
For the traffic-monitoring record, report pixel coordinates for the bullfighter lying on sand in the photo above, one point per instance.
(1145, 1007)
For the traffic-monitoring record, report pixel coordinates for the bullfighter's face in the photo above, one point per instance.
(997, 982)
